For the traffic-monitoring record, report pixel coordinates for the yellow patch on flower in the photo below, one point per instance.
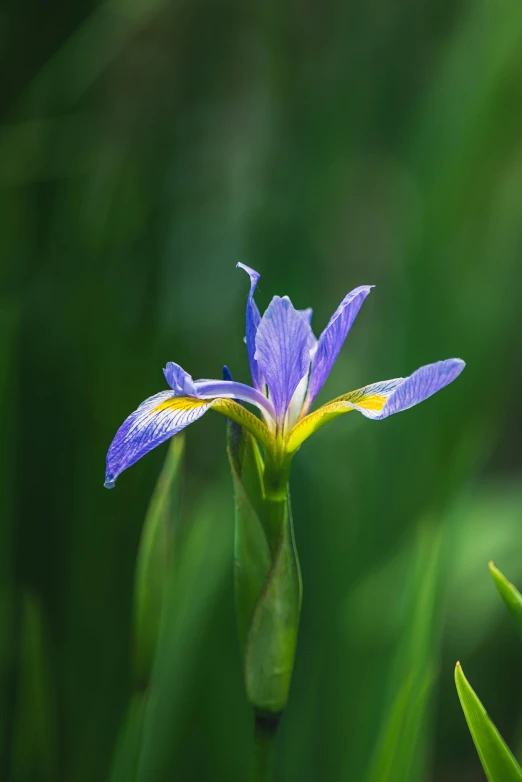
(372, 402)
(244, 417)
(228, 407)
(181, 403)
(343, 404)
(310, 423)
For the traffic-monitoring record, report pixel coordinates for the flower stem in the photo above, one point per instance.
(265, 730)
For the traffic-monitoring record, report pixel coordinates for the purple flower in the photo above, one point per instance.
(289, 366)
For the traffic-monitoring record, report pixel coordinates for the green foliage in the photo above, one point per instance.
(272, 637)
(193, 590)
(127, 750)
(510, 595)
(267, 579)
(145, 148)
(497, 761)
(156, 558)
(154, 564)
(496, 758)
(400, 750)
(252, 557)
(35, 739)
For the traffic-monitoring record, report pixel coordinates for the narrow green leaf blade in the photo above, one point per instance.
(404, 722)
(496, 758)
(400, 751)
(252, 559)
(35, 743)
(126, 756)
(510, 595)
(154, 559)
(195, 587)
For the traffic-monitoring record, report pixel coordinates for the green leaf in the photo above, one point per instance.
(194, 588)
(397, 747)
(496, 758)
(510, 595)
(126, 756)
(252, 559)
(267, 578)
(272, 636)
(154, 560)
(35, 740)
(399, 750)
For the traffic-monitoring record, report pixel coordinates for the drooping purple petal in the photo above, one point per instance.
(179, 380)
(332, 339)
(158, 418)
(284, 340)
(253, 319)
(381, 400)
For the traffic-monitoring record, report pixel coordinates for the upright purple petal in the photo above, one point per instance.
(332, 339)
(383, 399)
(253, 319)
(179, 380)
(307, 314)
(284, 340)
(158, 418)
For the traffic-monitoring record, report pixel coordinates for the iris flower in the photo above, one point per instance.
(289, 367)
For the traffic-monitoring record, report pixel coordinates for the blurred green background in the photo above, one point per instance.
(145, 148)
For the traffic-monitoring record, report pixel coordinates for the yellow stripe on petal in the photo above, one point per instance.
(228, 407)
(181, 403)
(312, 422)
(362, 399)
(372, 402)
(245, 418)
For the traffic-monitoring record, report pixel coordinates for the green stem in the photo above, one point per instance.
(276, 476)
(265, 730)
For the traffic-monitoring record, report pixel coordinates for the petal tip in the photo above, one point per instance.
(254, 276)
(180, 381)
(455, 365)
(110, 481)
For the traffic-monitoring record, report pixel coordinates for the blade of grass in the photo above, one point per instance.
(153, 565)
(496, 758)
(510, 595)
(399, 748)
(35, 741)
(155, 559)
(204, 567)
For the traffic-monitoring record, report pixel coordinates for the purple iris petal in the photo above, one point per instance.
(253, 319)
(404, 393)
(229, 389)
(332, 339)
(152, 423)
(179, 380)
(307, 314)
(283, 343)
